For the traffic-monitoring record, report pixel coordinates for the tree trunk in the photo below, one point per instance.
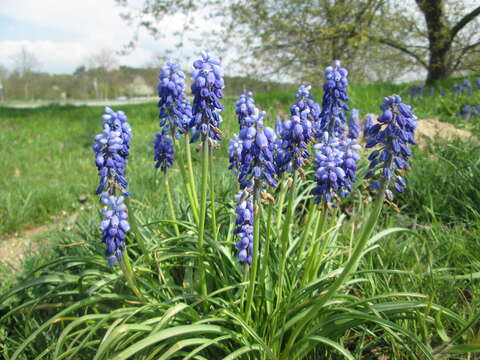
(25, 91)
(438, 66)
(439, 38)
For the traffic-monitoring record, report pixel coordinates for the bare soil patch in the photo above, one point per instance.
(435, 129)
(17, 247)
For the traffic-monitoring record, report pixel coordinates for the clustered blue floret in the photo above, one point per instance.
(175, 111)
(366, 125)
(112, 148)
(175, 114)
(336, 154)
(163, 150)
(469, 111)
(306, 102)
(332, 117)
(330, 176)
(246, 112)
(416, 91)
(115, 226)
(467, 85)
(207, 90)
(336, 163)
(244, 229)
(245, 108)
(350, 149)
(235, 153)
(354, 124)
(292, 146)
(256, 159)
(393, 132)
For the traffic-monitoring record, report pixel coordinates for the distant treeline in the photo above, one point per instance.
(99, 83)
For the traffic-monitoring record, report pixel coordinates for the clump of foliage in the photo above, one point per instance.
(278, 271)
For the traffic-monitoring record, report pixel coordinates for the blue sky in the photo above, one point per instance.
(64, 33)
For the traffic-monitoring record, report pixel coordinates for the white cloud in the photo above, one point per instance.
(94, 24)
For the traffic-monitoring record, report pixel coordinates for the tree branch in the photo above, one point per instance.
(464, 21)
(400, 47)
(463, 51)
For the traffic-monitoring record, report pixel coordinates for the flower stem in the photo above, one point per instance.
(203, 211)
(266, 252)
(281, 201)
(128, 272)
(188, 155)
(244, 279)
(186, 183)
(256, 241)
(212, 197)
(285, 234)
(170, 201)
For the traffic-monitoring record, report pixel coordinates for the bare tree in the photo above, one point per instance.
(101, 65)
(103, 59)
(25, 62)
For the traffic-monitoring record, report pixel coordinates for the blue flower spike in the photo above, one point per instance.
(392, 135)
(112, 148)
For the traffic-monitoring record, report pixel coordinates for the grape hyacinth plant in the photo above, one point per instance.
(332, 117)
(468, 111)
(366, 125)
(245, 110)
(207, 88)
(354, 124)
(175, 119)
(244, 229)
(256, 171)
(111, 149)
(256, 161)
(234, 153)
(115, 226)
(336, 153)
(174, 109)
(393, 133)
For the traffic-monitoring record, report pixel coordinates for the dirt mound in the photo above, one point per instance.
(435, 129)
